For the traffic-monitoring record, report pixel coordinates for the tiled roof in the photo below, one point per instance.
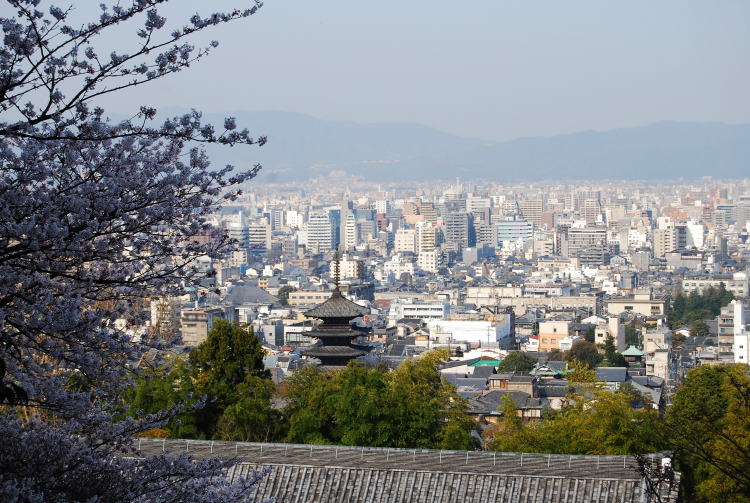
(632, 351)
(243, 293)
(317, 351)
(318, 473)
(612, 374)
(292, 484)
(337, 306)
(330, 333)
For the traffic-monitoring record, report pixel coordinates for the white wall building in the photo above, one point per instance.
(429, 260)
(419, 310)
(405, 240)
(740, 347)
(320, 231)
(472, 331)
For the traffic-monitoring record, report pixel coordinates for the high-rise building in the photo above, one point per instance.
(295, 219)
(237, 230)
(475, 203)
(276, 217)
(695, 232)
(366, 229)
(427, 237)
(428, 212)
(456, 229)
(588, 244)
(508, 231)
(591, 211)
(486, 234)
(259, 236)
(664, 241)
(320, 231)
(532, 209)
(350, 232)
(405, 240)
(383, 206)
(410, 208)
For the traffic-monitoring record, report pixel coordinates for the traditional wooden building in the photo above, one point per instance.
(336, 332)
(323, 473)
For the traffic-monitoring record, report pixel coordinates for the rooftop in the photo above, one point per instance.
(632, 351)
(337, 306)
(358, 474)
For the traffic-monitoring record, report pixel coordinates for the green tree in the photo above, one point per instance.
(250, 418)
(585, 352)
(709, 425)
(283, 294)
(594, 422)
(517, 361)
(227, 371)
(685, 309)
(611, 357)
(556, 356)
(699, 328)
(678, 310)
(412, 406)
(580, 373)
(589, 334)
(632, 335)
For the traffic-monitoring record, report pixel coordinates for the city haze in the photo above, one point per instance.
(488, 70)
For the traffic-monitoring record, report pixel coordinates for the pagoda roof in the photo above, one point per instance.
(322, 333)
(340, 351)
(337, 306)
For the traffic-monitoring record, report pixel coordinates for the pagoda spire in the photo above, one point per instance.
(336, 268)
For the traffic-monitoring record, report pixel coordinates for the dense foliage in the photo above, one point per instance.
(685, 309)
(412, 406)
(94, 217)
(612, 358)
(226, 372)
(517, 361)
(585, 352)
(709, 427)
(633, 336)
(594, 421)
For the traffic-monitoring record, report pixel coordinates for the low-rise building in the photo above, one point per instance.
(196, 323)
(419, 310)
(642, 303)
(738, 284)
(551, 333)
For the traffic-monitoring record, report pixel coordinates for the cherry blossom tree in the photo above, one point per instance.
(96, 215)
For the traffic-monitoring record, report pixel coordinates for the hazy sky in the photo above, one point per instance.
(486, 68)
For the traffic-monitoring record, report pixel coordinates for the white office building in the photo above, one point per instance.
(320, 231)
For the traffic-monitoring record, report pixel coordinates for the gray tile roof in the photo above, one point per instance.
(337, 306)
(242, 293)
(612, 374)
(317, 351)
(466, 382)
(317, 473)
(484, 371)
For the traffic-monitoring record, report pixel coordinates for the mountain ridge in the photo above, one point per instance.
(301, 147)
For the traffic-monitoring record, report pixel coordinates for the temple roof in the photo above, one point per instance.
(340, 351)
(344, 333)
(632, 351)
(337, 306)
(366, 474)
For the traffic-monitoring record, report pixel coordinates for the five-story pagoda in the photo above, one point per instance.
(335, 331)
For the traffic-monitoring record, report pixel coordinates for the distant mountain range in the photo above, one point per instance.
(301, 147)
